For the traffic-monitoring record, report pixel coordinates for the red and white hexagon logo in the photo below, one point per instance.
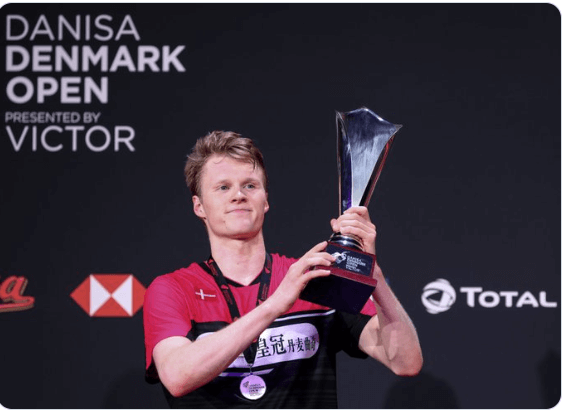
(110, 295)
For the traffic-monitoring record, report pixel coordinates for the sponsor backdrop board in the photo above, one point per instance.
(101, 103)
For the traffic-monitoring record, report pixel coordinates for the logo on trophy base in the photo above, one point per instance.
(363, 142)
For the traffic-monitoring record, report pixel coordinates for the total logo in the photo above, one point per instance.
(440, 295)
(110, 295)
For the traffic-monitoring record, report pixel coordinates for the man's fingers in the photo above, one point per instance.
(317, 259)
(334, 225)
(316, 255)
(365, 225)
(359, 230)
(360, 210)
(324, 259)
(352, 219)
(316, 273)
(318, 247)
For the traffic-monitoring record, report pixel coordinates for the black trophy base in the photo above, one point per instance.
(350, 283)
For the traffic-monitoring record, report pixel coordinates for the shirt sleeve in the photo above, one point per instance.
(352, 326)
(165, 314)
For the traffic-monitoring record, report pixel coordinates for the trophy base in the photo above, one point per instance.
(350, 283)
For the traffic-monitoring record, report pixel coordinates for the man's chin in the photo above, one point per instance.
(245, 234)
(239, 232)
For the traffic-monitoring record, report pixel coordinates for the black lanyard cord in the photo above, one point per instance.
(211, 267)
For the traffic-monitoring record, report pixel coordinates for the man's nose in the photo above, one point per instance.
(239, 195)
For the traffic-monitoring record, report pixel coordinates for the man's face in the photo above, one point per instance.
(233, 199)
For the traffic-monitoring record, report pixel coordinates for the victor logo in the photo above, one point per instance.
(11, 295)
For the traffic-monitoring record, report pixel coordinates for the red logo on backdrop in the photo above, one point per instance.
(110, 295)
(11, 295)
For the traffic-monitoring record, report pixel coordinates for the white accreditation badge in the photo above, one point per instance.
(253, 387)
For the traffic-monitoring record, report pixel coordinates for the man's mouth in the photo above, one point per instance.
(241, 210)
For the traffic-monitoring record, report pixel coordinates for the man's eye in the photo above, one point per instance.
(251, 186)
(223, 187)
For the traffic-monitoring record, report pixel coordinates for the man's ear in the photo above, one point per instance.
(198, 207)
(267, 205)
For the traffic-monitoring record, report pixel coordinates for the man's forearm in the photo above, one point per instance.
(191, 365)
(395, 332)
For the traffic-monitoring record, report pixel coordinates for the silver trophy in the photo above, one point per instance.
(363, 142)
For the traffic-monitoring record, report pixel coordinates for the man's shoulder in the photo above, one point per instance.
(180, 277)
(283, 259)
(282, 263)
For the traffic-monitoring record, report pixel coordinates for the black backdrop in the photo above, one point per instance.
(470, 193)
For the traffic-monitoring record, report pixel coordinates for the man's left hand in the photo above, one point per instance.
(356, 221)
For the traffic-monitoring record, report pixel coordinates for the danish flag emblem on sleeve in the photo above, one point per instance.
(205, 294)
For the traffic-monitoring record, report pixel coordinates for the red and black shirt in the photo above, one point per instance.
(296, 354)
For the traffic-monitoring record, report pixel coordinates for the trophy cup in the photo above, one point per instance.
(363, 142)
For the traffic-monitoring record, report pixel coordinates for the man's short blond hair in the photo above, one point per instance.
(221, 143)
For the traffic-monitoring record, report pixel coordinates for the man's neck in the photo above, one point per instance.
(239, 260)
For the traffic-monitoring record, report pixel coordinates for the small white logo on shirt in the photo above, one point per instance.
(203, 295)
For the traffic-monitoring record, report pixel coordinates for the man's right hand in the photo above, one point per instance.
(299, 274)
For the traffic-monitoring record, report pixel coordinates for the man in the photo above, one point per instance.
(232, 332)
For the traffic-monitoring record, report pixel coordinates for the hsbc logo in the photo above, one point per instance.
(440, 295)
(110, 295)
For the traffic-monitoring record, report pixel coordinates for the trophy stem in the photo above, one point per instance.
(348, 241)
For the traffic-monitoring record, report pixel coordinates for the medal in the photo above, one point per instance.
(253, 387)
